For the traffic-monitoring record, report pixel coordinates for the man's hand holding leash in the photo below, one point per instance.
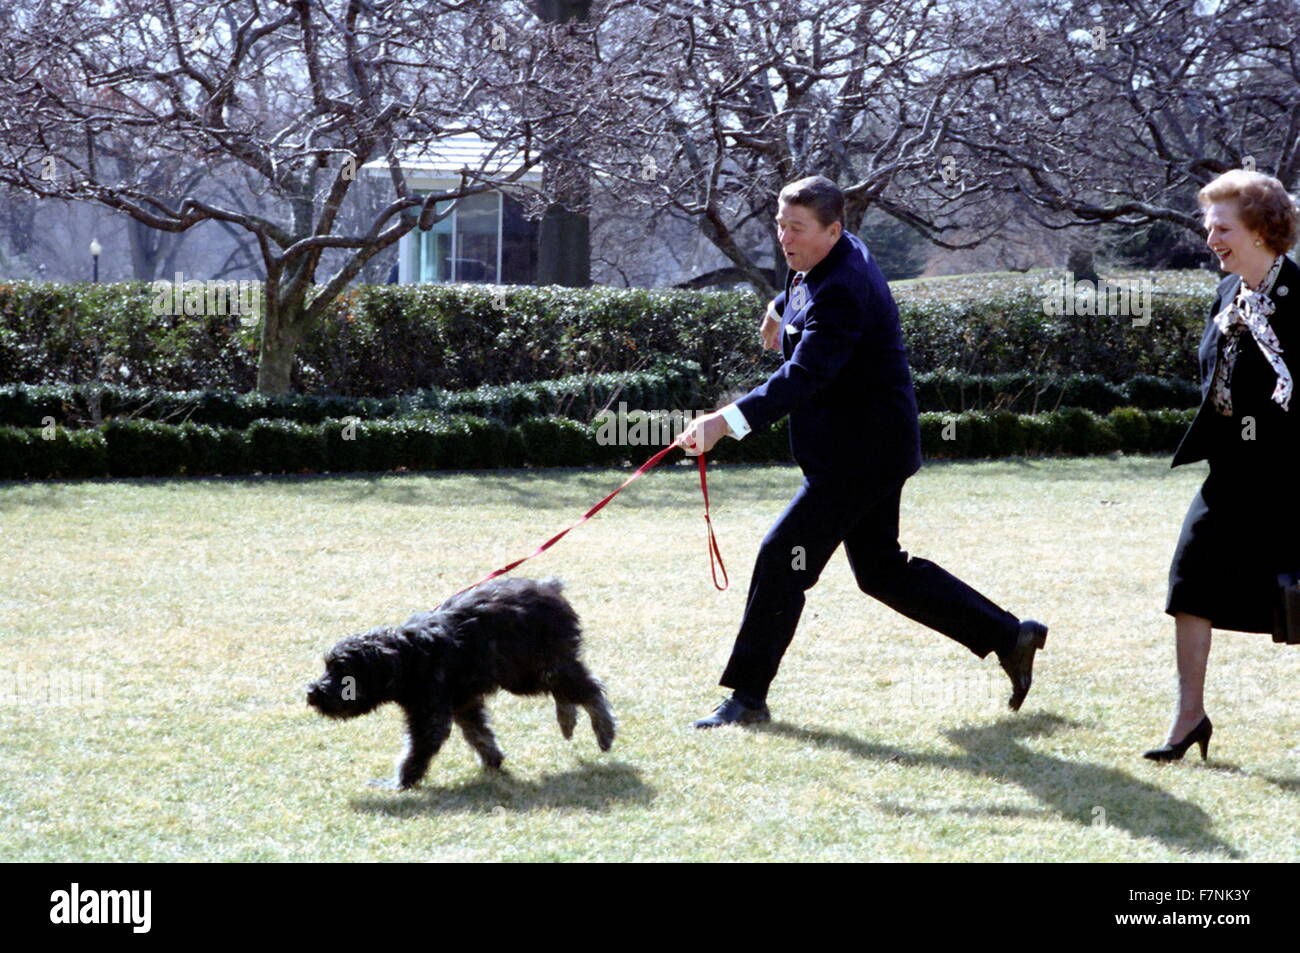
(703, 433)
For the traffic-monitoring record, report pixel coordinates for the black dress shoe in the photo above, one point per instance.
(733, 712)
(1200, 734)
(1019, 662)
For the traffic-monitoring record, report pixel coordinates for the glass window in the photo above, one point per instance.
(518, 245)
(463, 246)
(435, 250)
(477, 222)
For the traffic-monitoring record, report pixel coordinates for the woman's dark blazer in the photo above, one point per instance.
(1277, 432)
(1243, 526)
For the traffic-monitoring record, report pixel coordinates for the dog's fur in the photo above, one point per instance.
(518, 634)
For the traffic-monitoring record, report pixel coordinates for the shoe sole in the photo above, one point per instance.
(723, 724)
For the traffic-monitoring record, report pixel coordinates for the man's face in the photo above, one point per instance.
(804, 241)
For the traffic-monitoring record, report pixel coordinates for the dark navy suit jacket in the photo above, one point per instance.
(845, 382)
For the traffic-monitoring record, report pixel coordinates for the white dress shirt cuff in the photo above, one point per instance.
(735, 420)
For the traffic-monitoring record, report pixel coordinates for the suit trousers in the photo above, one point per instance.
(823, 514)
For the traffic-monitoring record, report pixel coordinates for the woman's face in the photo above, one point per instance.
(1228, 238)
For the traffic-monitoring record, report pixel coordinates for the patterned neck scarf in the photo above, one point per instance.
(1250, 310)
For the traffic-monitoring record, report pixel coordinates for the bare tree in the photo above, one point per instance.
(297, 93)
(956, 118)
(564, 233)
(738, 97)
(1139, 105)
(154, 251)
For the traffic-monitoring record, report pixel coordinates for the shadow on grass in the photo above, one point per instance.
(1286, 784)
(49, 494)
(574, 487)
(1070, 790)
(1283, 782)
(569, 486)
(592, 787)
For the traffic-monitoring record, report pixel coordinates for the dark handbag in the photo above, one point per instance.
(1286, 610)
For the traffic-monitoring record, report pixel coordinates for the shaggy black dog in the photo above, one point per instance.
(518, 634)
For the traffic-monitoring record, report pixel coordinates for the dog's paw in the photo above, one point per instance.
(567, 716)
(390, 784)
(604, 729)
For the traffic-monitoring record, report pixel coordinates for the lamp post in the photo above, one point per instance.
(95, 249)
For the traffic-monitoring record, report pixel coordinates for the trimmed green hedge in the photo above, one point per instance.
(1009, 332)
(149, 448)
(377, 340)
(671, 383)
(1073, 432)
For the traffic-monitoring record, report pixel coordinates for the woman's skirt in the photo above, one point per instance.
(1239, 533)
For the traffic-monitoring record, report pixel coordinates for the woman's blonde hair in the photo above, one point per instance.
(1266, 208)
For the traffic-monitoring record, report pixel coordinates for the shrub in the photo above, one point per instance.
(377, 340)
(149, 448)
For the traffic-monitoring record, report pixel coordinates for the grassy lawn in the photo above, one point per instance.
(203, 606)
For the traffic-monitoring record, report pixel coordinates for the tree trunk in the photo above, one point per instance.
(564, 236)
(564, 249)
(281, 334)
(1080, 261)
(145, 246)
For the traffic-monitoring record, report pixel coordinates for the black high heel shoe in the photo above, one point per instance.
(1200, 734)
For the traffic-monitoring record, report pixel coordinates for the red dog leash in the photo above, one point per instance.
(714, 551)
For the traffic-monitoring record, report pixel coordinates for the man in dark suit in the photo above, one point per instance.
(854, 433)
